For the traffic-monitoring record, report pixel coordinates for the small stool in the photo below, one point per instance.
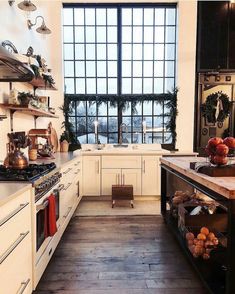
(122, 192)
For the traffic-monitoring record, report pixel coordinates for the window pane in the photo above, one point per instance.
(126, 16)
(137, 52)
(112, 34)
(169, 84)
(170, 34)
(91, 86)
(126, 34)
(102, 110)
(68, 16)
(170, 52)
(170, 16)
(101, 51)
(69, 86)
(90, 68)
(90, 34)
(159, 34)
(112, 86)
(126, 51)
(137, 34)
(137, 124)
(80, 86)
(137, 86)
(126, 86)
(159, 16)
(113, 124)
(101, 68)
(112, 16)
(101, 86)
(68, 69)
(80, 68)
(79, 51)
(148, 16)
(127, 109)
(79, 16)
(91, 111)
(81, 109)
(90, 51)
(147, 108)
(137, 16)
(126, 68)
(158, 68)
(101, 34)
(112, 51)
(148, 52)
(169, 69)
(137, 68)
(102, 127)
(158, 85)
(158, 108)
(148, 85)
(159, 51)
(112, 69)
(68, 51)
(148, 34)
(148, 68)
(112, 109)
(79, 34)
(101, 16)
(68, 34)
(90, 16)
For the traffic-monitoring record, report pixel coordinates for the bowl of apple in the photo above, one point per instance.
(219, 150)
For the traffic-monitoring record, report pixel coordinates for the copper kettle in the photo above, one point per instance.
(15, 158)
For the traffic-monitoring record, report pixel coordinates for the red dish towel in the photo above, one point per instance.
(51, 212)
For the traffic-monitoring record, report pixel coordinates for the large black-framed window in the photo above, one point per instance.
(124, 49)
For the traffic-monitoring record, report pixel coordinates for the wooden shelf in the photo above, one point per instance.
(39, 83)
(28, 110)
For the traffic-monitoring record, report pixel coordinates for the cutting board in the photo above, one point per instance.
(53, 138)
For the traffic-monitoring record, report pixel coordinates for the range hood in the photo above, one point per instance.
(12, 69)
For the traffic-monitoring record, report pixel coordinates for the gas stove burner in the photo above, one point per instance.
(29, 174)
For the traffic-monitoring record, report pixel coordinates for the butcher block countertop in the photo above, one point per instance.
(225, 186)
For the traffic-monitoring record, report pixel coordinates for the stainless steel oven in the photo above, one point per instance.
(42, 217)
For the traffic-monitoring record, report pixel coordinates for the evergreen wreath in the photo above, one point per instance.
(208, 108)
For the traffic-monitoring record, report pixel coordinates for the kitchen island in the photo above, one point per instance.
(218, 272)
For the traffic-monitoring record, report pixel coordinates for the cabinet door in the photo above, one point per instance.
(110, 177)
(91, 175)
(132, 177)
(150, 175)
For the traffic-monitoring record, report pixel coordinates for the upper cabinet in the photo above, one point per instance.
(216, 36)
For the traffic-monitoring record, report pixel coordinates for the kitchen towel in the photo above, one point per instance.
(52, 227)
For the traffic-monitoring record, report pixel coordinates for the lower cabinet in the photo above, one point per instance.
(16, 245)
(91, 175)
(120, 177)
(150, 175)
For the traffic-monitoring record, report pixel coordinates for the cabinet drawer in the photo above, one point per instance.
(16, 269)
(121, 161)
(11, 229)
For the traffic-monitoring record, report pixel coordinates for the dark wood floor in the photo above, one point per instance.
(137, 255)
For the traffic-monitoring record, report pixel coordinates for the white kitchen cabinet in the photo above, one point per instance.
(119, 176)
(132, 177)
(150, 175)
(91, 175)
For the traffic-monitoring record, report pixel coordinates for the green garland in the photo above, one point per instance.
(208, 108)
(124, 102)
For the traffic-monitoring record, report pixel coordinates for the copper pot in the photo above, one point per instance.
(16, 159)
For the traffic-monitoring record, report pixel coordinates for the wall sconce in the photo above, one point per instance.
(43, 29)
(27, 5)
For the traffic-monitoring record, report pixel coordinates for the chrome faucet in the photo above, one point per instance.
(121, 131)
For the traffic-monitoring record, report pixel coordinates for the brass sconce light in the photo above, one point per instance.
(27, 5)
(43, 29)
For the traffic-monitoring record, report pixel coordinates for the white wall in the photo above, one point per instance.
(13, 28)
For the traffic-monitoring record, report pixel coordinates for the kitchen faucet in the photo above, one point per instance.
(121, 130)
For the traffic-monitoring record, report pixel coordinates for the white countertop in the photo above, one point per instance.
(10, 190)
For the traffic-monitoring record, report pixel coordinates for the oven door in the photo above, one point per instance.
(42, 218)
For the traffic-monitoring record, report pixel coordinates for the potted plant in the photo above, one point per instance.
(64, 142)
(25, 98)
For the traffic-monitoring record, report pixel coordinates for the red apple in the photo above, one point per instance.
(230, 142)
(220, 160)
(222, 150)
(212, 159)
(214, 142)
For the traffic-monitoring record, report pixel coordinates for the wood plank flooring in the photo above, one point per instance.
(127, 255)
